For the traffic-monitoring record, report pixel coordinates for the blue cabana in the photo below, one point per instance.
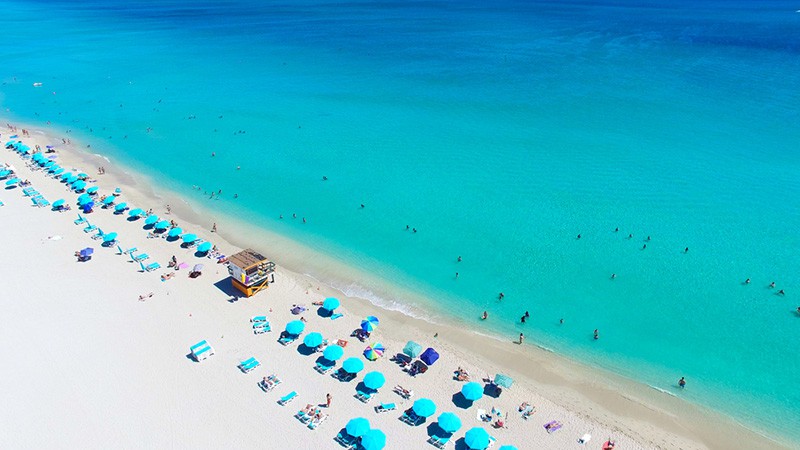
(412, 349)
(429, 356)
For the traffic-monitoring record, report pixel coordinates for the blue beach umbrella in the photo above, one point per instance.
(109, 200)
(313, 340)
(412, 349)
(353, 365)
(87, 207)
(204, 247)
(151, 219)
(136, 212)
(121, 207)
(189, 238)
(65, 175)
(84, 199)
(110, 237)
(163, 225)
(472, 391)
(333, 352)
(374, 380)
(369, 324)
(424, 407)
(373, 439)
(503, 380)
(87, 252)
(330, 303)
(53, 168)
(5, 173)
(79, 185)
(449, 422)
(357, 427)
(295, 327)
(83, 176)
(175, 232)
(12, 181)
(58, 171)
(476, 439)
(58, 203)
(92, 190)
(50, 163)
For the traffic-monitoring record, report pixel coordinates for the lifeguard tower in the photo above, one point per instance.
(250, 271)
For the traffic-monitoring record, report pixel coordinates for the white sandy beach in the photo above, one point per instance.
(87, 364)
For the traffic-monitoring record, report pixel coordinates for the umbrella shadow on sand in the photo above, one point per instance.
(460, 401)
(305, 350)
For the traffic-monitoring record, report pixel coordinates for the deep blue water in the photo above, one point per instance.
(500, 131)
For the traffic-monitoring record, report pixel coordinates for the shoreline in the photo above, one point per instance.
(651, 419)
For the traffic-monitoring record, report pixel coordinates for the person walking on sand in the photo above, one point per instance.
(682, 382)
(214, 228)
(328, 400)
(521, 338)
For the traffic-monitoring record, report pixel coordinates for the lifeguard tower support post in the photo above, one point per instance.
(250, 271)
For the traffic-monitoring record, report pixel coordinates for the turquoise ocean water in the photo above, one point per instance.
(500, 131)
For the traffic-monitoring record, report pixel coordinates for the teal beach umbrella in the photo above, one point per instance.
(121, 207)
(163, 225)
(424, 407)
(472, 391)
(353, 365)
(84, 198)
(110, 237)
(188, 238)
(92, 190)
(79, 185)
(313, 339)
(476, 439)
(58, 171)
(136, 212)
(109, 200)
(357, 427)
(175, 232)
(5, 173)
(330, 303)
(412, 349)
(295, 327)
(12, 181)
(58, 203)
(373, 439)
(333, 352)
(374, 380)
(508, 447)
(449, 422)
(204, 247)
(151, 219)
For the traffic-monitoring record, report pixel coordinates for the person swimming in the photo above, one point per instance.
(747, 281)
(780, 292)
(501, 295)
(596, 334)
(772, 285)
(686, 250)
(579, 236)
(613, 275)
(459, 259)
(644, 246)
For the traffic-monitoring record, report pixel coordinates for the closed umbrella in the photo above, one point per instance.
(429, 356)
(333, 352)
(188, 238)
(313, 340)
(424, 407)
(330, 303)
(204, 247)
(412, 349)
(58, 203)
(92, 190)
(151, 219)
(110, 237)
(357, 427)
(163, 225)
(374, 380)
(476, 439)
(121, 207)
(374, 351)
(449, 422)
(295, 327)
(472, 391)
(353, 365)
(503, 380)
(138, 212)
(369, 324)
(373, 439)
(12, 181)
(175, 232)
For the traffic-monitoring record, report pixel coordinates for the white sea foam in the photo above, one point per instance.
(663, 391)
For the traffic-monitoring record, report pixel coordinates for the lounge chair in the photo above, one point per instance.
(29, 191)
(139, 257)
(249, 364)
(439, 441)
(383, 407)
(302, 416)
(126, 252)
(286, 399)
(324, 368)
(149, 267)
(256, 319)
(492, 440)
(89, 227)
(343, 375)
(403, 392)
(336, 316)
(286, 340)
(201, 350)
(262, 328)
(100, 234)
(411, 418)
(317, 422)
(364, 396)
(80, 220)
(345, 440)
(270, 384)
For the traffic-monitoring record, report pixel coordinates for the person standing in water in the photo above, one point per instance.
(521, 338)
(485, 316)
(596, 334)
(682, 382)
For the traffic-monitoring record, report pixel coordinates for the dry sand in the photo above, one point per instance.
(87, 364)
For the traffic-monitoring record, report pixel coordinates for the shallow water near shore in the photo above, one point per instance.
(500, 135)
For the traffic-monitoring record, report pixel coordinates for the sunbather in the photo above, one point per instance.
(144, 297)
(167, 276)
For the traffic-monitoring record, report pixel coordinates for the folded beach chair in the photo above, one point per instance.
(89, 227)
(286, 399)
(201, 350)
(256, 319)
(345, 440)
(249, 364)
(317, 422)
(383, 407)
(80, 220)
(149, 267)
(364, 396)
(324, 368)
(139, 257)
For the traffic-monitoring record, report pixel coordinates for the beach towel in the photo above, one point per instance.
(553, 426)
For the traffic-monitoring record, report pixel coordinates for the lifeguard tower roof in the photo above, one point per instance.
(247, 258)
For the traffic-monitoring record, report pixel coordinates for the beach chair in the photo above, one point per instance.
(99, 234)
(249, 364)
(343, 375)
(439, 441)
(364, 396)
(80, 220)
(89, 227)
(411, 418)
(140, 257)
(201, 350)
(270, 384)
(303, 417)
(286, 399)
(126, 252)
(336, 316)
(262, 328)
(317, 422)
(323, 367)
(492, 441)
(528, 411)
(403, 392)
(30, 191)
(345, 440)
(257, 319)
(149, 267)
(286, 340)
(384, 407)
